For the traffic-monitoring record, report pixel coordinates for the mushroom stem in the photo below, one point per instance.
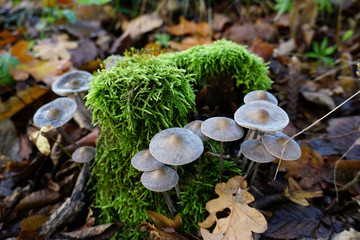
(254, 174)
(169, 203)
(200, 170)
(67, 137)
(238, 156)
(78, 95)
(177, 186)
(249, 168)
(221, 159)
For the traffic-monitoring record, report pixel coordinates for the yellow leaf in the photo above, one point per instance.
(41, 142)
(162, 221)
(242, 220)
(299, 196)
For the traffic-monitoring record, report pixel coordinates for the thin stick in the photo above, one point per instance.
(349, 184)
(169, 203)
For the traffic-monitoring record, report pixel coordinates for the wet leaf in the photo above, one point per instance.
(299, 196)
(186, 27)
(291, 220)
(242, 219)
(33, 222)
(37, 199)
(54, 51)
(104, 231)
(13, 105)
(162, 221)
(41, 142)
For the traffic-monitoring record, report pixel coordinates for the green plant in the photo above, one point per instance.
(50, 15)
(322, 52)
(7, 60)
(283, 6)
(90, 2)
(162, 39)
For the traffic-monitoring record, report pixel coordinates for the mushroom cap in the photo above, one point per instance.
(260, 95)
(84, 154)
(113, 60)
(261, 115)
(72, 82)
(222, 129)
(144, 161)
(176, 146)
(55, 113)
(254, 150)
(160, 180)
(195, 127)
(273, 142)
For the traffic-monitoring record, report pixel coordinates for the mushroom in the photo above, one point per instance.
(161, 180)
(144, 161)
(75, 82)
(176, 146)
(113, 60)
(221, 129)
(195, 127)
(260, 95)
(261, 115)
(274, 144)
(56, 113)
(84, 154)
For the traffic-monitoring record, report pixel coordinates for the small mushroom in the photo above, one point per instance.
(161, 180)
(84, 154)
(254, 150)
(261, 115)
(144, 161)
(72, 82)
(113, 60)
(260, 95)
(195, 127)
(274, 144)
(56, 113)
(221, 129)
(176, 146)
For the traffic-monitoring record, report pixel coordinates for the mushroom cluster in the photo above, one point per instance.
(172, 146)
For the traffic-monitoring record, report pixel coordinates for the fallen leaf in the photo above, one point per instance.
(186, 27)
(13, 105)
(55, 50)
(297, 195)
(162, 221)
(10, 144)
(33, 222)
(262, 49)
(37, 199)
(7, 37)
(319, 98)
(157, 233)
(189, 42)
(41, 142)
(20, 50)
(293, 221)
(85, 52)
(242, 219)
(219, 22)
(104, 231)
(306, 167)
(346, 235)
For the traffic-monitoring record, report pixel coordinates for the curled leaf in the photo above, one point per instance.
(41, 142)
(162, 221)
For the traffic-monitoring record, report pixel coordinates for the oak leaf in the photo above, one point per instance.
(41, 142)
(162, 221)
(242, 220)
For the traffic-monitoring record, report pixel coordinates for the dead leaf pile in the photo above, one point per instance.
(241, 220)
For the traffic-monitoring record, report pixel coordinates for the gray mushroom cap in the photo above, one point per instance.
(261, 115)
(195, 127)
(274, 143)
(113, 60)
(176, 146)
(160, 180)
(144, 161)
(55, 113)
(84, 154)
(260, 95)
(254, 150)
(72, 82)
(222, 129)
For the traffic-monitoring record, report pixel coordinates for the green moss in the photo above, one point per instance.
(223, 58)
(143, 95)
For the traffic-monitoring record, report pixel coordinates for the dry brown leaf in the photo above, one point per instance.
(299, 196)
(242, 220)
(48, 50)
(142, 24)
(7, 37)
(189, 42)
(186, 27)
(262, 49)
(20, 50)
(37, 199)
(162, 221)
(14, 104)
(41, 142)
(33, 223)
(162, 234)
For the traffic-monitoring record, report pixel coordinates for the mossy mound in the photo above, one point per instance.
(143, 95)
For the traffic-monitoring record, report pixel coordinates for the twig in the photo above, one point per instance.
(215, 155)
(348, 185)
